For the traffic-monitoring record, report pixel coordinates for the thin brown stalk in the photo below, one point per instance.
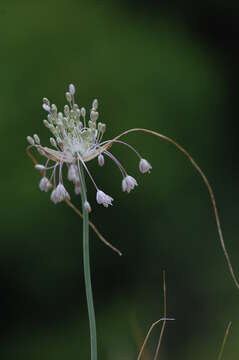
(94, 228)
(164, 319)
(78, 212)
(164, 315)
(206, 182)
(224, 340)
(148, 334)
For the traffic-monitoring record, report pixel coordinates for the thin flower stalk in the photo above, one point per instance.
(86, 261)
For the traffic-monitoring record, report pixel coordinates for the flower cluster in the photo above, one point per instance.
(75, 141)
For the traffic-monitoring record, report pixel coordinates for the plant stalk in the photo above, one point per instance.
(87, 276)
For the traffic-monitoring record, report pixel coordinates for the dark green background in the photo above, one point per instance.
(172, 67)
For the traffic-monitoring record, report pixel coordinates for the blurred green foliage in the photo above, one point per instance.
(146, 71)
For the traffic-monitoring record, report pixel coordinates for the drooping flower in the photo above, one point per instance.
(103, 198)
(45, 184)
(59, 194)
(128, 183)
(144, 166)
(75, 142)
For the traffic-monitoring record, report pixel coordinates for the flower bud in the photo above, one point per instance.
(40, 167)
(30, 140)
(68, 97)
(87, 206)
(53, 142)
(46, 123)
(95, 104)
(83, 112)
(72, 89)
(101, 160)
(37, 139)
(66, 110)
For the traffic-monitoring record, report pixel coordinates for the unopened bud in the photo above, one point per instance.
(53, 142)
(87, 206)
(40, 167)
(46, 123)
(66, 110)
(101, 160)
(59, 141)
(60, 116)
(54, 109)
(83, 111)
(37, 139)
(95, 104)
(30, 140)
(68, 97)
(72, 89)
(103, 128)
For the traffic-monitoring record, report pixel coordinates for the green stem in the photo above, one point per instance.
(86, 260)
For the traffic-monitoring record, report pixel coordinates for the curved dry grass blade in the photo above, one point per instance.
(206, 182)
(77, 211)
(164, 319)
(164, 315)
(148, 334)
(224, 340)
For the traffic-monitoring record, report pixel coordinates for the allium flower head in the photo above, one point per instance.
(75, 141)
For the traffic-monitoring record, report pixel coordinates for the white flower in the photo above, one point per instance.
(101, 160)
(73, 173)
(103, 198)
(87, 206)
(144, 166)
(128, 183)
(59, 194)
(45, 184)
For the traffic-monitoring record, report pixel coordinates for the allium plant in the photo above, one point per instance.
(74, 142)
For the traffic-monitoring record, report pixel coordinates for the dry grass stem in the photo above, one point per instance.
(206, 182)
(224, 340)
(164, 319)
(156, 355)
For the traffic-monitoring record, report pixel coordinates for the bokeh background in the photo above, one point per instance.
(168, 66)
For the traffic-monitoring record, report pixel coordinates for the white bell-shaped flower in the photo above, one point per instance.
(103, 198)
(128, 183)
